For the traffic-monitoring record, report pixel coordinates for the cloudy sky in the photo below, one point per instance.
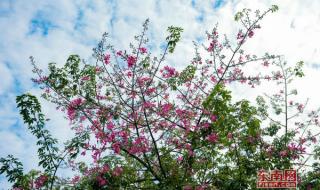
(52, 30)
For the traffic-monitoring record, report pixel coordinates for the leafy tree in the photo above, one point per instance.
(147, 125)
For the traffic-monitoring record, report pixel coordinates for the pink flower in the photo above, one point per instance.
(191, 153)
(110, 126)
(96, 155)
(292, 147)
(76, 102)
(251, 33)
(300, 107)
(265, 63)
(240, 35)
(180, 158)
(213, 118)
(143, 50)
(105, 168)
(309, 187)
(206, 125)
(71, 110)
(250, 139)
(165, 108)
(213, 79)
(139, 145)
(302, 140)
(40, 181)
(110, 137)
(212, 45)
(129, 74)
(142, 80)
(168, 72)
(40, 80)
(117, 171)
(200, 188)
(75, 179)
(131, 60)
(229, 136)
(267, 77)
(101, 181)
(149, 91)
(213, 138)
(106, 59)
(148, 105)
(283, 153)
(98, 69)
(220, 70)
(302, 149)
(85, 78)
(119, 53)
(116, 148)
(187, 187)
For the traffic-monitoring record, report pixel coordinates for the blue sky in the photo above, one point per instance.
(51, 30)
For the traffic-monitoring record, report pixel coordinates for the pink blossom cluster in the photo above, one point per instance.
(74, 104)
(213, 138)
(40, 181)
(106, 59)
(139, 145)
(131, 60)
(40, 80)
(168, 72)
(143, 50)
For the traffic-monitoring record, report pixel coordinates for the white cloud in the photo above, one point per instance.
(7, 83)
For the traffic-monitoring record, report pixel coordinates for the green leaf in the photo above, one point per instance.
(13, 169)
(274, 8)
(238, 16)
(174, 37)
(187, 74)
(31, 112)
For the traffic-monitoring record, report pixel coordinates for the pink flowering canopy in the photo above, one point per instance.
(142, 123)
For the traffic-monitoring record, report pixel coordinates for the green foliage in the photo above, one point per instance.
(217, 99)
(274, 8)
(76, 143)
(311, 180)
(30, 109)
(61, 79)
(13, 169)
(238, 16)
(174, 37)
(272, 129)
(242, 156)
(298, 69)
(262, 107)
(187, 74)
(68, 80)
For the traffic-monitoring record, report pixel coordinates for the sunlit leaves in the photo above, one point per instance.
(298, 69)
(174, 37)
(274, 8)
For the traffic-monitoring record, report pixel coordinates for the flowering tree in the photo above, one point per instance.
(147, 125)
